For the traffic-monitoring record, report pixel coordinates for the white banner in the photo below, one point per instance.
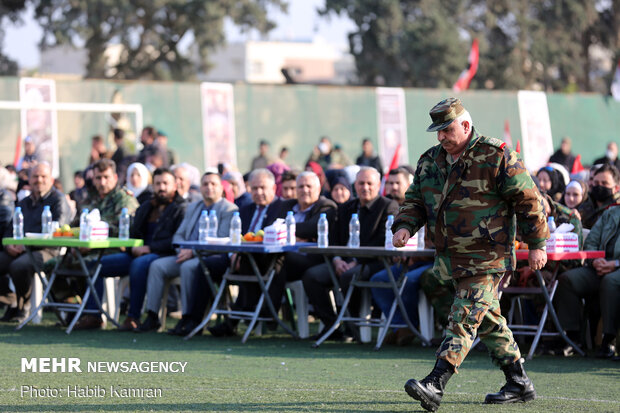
(218, 124)
(535, 129)
(392, 125)
(40, 124)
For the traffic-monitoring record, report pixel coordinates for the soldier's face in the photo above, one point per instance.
(105, 181)
(367, 186)
(454, 137)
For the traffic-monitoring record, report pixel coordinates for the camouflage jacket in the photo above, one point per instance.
(474, 207)
(110, 207)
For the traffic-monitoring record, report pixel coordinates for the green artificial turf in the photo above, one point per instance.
(274, 373)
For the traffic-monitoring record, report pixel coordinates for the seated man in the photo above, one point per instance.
(155, 222)
(604, 191)
(307, 209)
(13, 259)
(265, 208)
(110, 200)
(184, 263)
(373, 211)
(599, 278)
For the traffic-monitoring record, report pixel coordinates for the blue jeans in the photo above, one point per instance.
(384, 297)
(119, 265)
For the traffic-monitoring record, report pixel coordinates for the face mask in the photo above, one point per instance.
(323, 148)
(600, 193)
(610, 155)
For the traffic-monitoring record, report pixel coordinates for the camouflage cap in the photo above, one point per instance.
(444, 113)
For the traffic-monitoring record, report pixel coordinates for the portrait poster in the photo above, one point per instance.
(535, 129)
(40, 124)
(218, 124)
(392, 125)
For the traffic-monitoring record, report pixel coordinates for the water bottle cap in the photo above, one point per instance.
(551, 219)
(354, 216)
(18, 209)
(289, 213)
(204, 212)
(85, 210)
(46, 208)
(212, 212)
(390, 216)
(124, 211)
(322, 215)
(236, 214)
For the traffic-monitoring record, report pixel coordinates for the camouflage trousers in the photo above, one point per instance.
(440, 293)
(476, 311)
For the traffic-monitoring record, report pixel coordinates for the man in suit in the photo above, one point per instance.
(307, 209)
(373, 211)
(265, 208)
(184, 263)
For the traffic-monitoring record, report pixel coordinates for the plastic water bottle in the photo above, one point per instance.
(46, 220)
(203, 227)
(84, 230)
(235, 229)
(388, 232)
(421, 233)
(212, 224)
(551, 224)
(123, 225)
(290, 228)
(323, 231)
(18, 223)
(354, 232)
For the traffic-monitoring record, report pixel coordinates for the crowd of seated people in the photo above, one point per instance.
(167, 199)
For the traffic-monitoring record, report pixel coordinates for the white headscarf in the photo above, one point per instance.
(144, 175)
(235, 176)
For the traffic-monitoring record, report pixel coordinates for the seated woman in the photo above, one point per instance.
(139, 182)
(575, 193)
(551, 182)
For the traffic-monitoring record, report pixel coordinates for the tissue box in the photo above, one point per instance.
(563, 242)
(99, 230)
(275, 234)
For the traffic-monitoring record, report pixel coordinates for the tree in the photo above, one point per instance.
(9, 10)
(149, 32)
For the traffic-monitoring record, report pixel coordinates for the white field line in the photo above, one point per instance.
(284, 390)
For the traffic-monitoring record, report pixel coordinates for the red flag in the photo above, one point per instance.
(615, 84)
(18, 150)
(507, 137)
(518, 147)
(468, 74)
(393, 165)
(577, 166)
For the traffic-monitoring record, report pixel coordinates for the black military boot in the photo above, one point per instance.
(429, 391)
(518, 387)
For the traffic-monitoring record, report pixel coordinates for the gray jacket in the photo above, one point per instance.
(603, 231)
(223, 209)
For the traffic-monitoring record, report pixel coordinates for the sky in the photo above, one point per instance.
(302, 22)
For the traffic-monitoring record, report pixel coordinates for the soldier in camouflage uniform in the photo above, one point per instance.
(473, 192)
(110, 200)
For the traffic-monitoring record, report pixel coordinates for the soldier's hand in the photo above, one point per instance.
(400, 238)
(537, 259)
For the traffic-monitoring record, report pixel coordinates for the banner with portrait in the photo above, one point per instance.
(535, 129)
(218, 124)
(392, 125)
(41, 125)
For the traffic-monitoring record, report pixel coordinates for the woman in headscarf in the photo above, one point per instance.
(139, 182)
(551, 182)
(575, 193)
(340, 187)
(235, 179)
(277, 169)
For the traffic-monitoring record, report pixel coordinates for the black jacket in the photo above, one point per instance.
(274, 211)
(32, 211)
(308, 229)
(372, 221)
(166, 225)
